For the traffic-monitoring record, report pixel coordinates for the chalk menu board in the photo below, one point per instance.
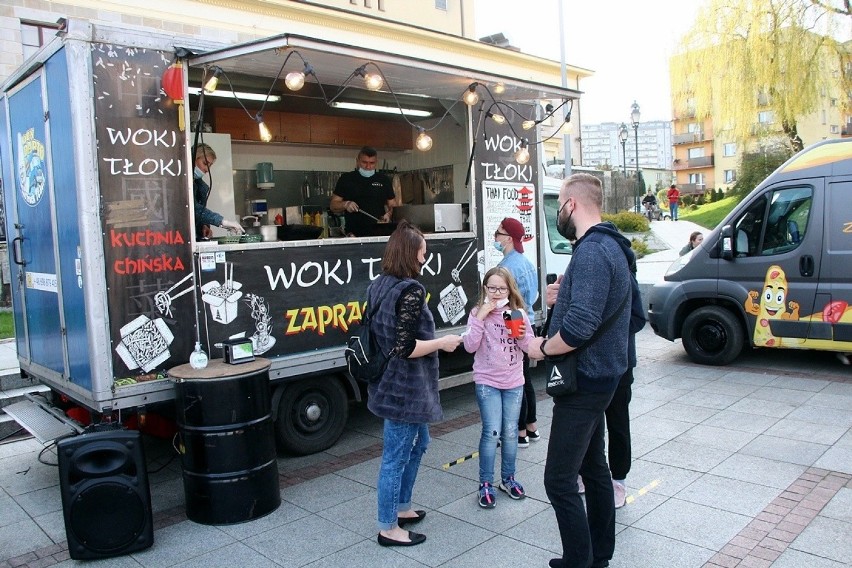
(506, 188)
(143, 184)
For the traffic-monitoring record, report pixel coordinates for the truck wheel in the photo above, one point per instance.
(712, 336)
(311, 415)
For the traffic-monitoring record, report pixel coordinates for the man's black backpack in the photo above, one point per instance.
(364, 357)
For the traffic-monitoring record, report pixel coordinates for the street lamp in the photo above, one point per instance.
(634, 116)
(622, 136)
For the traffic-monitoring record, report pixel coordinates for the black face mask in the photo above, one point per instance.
(566, 228)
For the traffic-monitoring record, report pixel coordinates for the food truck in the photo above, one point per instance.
(111, 288)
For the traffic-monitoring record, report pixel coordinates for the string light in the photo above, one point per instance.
(423, 141)
(522, 156)
(471, 97)
(265, 134)
(213, 81)
(295, 80)
(375, 81)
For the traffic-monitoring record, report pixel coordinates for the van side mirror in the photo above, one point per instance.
(726, 242)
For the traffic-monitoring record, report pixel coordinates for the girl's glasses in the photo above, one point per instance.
(496, 289)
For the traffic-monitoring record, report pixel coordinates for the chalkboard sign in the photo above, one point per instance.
(143, 183)
(296, 299)
(506, 188)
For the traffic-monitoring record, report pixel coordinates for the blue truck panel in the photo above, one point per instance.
(33, 203)
(67, 223)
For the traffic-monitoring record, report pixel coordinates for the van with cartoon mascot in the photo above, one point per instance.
(776, 273)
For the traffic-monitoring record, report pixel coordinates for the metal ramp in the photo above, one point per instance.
(41, 420)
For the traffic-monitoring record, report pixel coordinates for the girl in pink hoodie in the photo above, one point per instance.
(496, 334)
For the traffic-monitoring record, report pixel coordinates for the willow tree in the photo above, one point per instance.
(742, 57)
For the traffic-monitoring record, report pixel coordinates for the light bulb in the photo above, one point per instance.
(470, 97)
(373, 81)
(295, 80)
(211, 83)
(499, 88)
(265, 134)
(423, 141)
(528, 124)
(498, 118)
(522, 156)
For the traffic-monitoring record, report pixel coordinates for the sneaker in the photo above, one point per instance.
(487, 498)
(620, 493)
(534, 435)
(523, 441)
(580, 486)
(514, 489)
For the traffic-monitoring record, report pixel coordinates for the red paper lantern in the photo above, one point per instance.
(173, 81)
(173, 86)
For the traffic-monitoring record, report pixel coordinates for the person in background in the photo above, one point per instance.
(594, 289)
(363, 189)
(509, 239)
(204, 218)
(619, 450)
(673, 196)
(695, 239)
(499, 377)
(650, 200)
(406, 396)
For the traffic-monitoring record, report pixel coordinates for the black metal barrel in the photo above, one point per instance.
(227, 441)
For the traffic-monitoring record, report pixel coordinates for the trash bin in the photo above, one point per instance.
(227, 442)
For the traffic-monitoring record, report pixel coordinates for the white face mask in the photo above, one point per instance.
(198, 172)
(366, 173)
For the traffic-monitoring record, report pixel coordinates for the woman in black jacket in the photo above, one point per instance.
(406, 396)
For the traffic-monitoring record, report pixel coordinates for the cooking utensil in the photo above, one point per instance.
(370, 216)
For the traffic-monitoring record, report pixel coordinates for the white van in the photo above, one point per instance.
(557, 249)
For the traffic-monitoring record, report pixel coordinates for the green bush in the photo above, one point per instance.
(640, 247)
(628, 222)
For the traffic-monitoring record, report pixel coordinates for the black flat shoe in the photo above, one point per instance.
(402, 521)
(416, 538)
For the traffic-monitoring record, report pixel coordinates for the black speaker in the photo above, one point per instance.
(105, 496)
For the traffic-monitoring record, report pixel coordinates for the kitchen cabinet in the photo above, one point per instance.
(328, 130)
(295, 128)
(323, 129)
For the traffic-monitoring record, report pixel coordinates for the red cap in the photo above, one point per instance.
(514, 229)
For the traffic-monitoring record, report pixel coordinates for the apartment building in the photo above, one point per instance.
(602, 145)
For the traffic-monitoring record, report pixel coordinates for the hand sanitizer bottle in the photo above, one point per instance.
(198, 358)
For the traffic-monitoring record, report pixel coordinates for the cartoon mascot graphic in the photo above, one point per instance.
(772, 306)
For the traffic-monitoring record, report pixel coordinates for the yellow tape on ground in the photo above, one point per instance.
(631, 498)
(460, 460)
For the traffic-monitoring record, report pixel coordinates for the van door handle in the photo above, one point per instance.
(15, 247)
(806, 265)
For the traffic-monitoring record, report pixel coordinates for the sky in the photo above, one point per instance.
(627, 43)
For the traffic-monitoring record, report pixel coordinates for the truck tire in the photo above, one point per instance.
(311, 415)
(712, 336)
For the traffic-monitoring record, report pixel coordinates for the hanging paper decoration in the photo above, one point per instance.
(172, 82)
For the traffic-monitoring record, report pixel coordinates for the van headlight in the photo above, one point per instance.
(679, 263)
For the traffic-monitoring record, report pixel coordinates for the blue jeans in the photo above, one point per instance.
(673, 208)
(576, 446)
(499, 410)
(404, 446)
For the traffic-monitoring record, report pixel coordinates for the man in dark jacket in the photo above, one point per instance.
(595, 287)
